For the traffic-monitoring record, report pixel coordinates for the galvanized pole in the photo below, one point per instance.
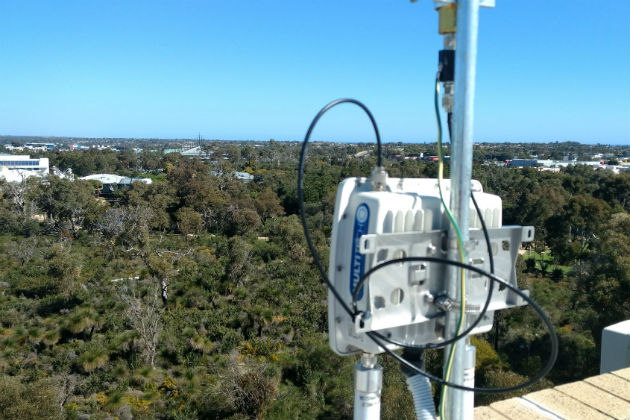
(460, 403)
(368, 383)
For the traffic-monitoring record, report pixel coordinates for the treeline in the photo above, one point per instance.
(196, 297)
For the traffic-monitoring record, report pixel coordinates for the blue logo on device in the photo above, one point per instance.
(357, 260)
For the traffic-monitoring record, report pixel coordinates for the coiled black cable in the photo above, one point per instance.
(375, 336)
(537, 308)
(300, 186)
(471, 327)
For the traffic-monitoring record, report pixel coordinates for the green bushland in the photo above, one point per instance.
(196, 296)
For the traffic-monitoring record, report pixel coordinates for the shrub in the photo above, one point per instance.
(94, 358)
(557, 275)
(35, 400)
(530, 265)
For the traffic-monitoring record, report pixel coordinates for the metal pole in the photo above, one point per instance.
(368, 382)
(460, 403)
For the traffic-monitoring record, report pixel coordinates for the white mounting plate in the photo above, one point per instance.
(408, 211)
(397, 294)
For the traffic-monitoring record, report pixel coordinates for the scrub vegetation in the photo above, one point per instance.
(196, 296)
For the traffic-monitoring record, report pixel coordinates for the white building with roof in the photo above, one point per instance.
(112, 179)
(111, 182)
(16, 168)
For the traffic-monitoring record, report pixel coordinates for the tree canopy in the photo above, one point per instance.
(196, 296)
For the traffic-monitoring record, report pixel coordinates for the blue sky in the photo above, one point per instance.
(547, 70)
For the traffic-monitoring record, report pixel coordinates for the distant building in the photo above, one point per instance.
(243, 176)
(549, 169)
(111, 182)
(104, 179)
(44, 147)
(521, 163)
(16, 168)
(24, 162)
(192, 152)
(115, 179)
(555, 165)
(78, 147)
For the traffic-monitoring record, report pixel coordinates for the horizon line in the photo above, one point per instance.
(165, 139)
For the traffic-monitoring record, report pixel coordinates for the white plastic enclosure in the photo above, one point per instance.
(407, 219)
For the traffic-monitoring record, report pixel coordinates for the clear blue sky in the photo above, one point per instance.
(547, 70)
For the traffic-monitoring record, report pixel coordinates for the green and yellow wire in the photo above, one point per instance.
(460, 248)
